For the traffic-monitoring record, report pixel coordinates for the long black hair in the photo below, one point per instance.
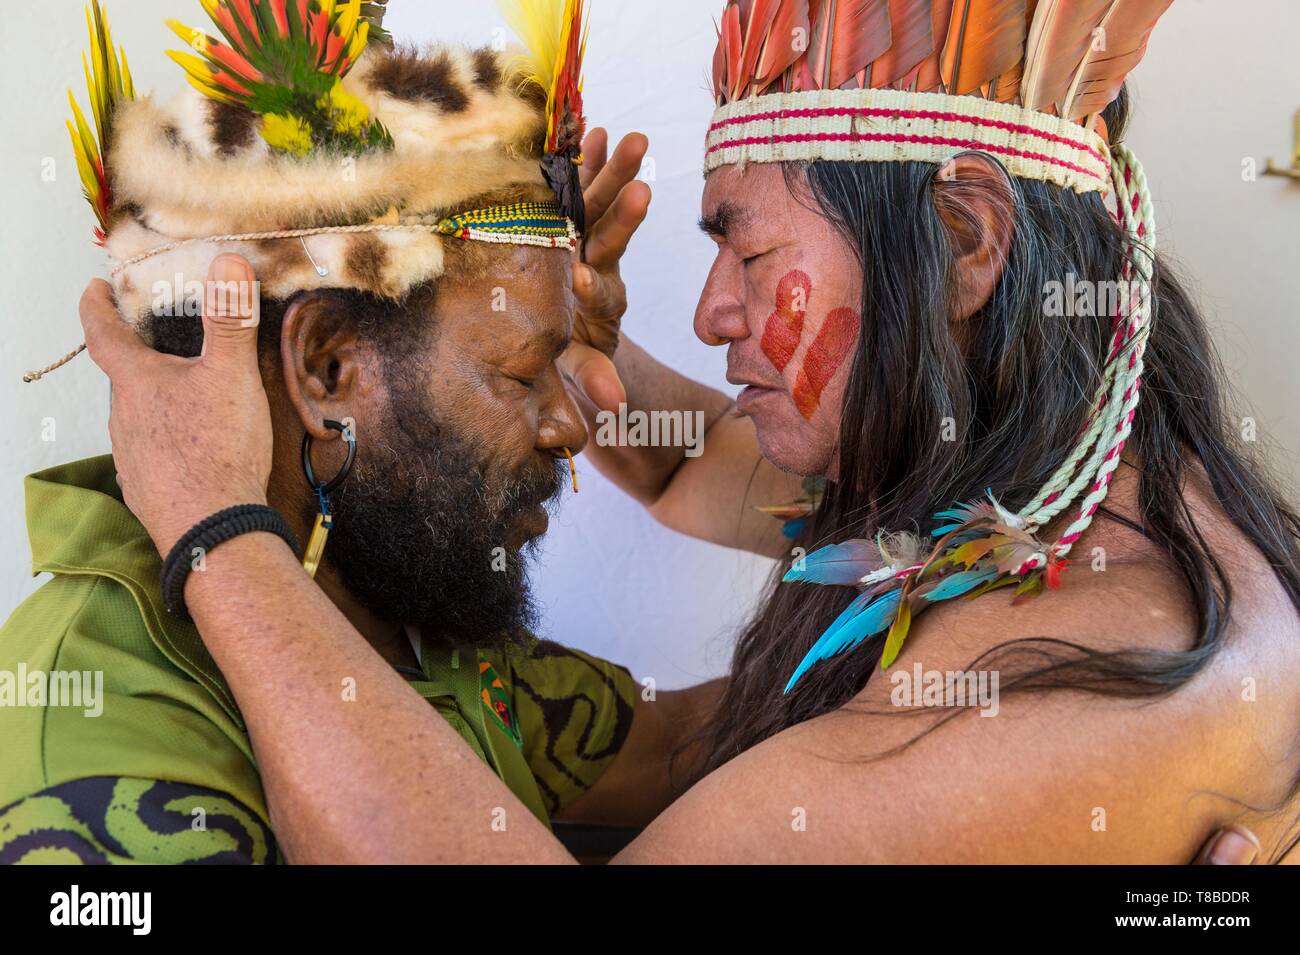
(1015, 393)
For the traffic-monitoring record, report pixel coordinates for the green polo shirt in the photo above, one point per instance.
(121, 742)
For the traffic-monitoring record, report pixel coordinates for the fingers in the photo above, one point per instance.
(613, 175)
(595, 296)
(593, 374)
(607, 240)
(595, 149)
(110, 341)
(1234, 845)
(230, 311)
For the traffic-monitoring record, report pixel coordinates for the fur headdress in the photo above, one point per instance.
(326, 157)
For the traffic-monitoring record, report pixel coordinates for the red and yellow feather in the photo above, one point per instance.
(108, 83)
(555, 35)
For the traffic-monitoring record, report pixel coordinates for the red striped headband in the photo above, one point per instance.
(881, 125)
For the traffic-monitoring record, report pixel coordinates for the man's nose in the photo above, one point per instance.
(561, 426)
(720, 316)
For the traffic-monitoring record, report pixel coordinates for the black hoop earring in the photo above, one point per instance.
(322, 489)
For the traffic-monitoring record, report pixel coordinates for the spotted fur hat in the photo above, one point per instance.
(328, 158)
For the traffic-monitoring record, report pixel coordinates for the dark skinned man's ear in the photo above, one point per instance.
(322, 363)
(973, 197)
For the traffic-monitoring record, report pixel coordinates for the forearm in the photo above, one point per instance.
(645, 472)
(375, 775)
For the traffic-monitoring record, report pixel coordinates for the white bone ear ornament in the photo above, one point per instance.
(921, 81)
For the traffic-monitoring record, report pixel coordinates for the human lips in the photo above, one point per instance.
(531, 519)
(756, 391)
(753, 397)
(530, 525)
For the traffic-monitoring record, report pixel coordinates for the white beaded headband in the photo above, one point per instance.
(863, 125)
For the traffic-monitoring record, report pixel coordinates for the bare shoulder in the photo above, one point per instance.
(911, 772)
(1226, 739)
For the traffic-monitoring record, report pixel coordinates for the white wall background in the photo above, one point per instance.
(1219, 85)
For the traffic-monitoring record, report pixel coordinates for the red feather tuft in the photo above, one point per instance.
(1052, 575)
(986, 38)
(912, 41)
(847, 36)
(719, 68)
(280, 11)
(780, 49)
(761, 15)
(732, 48)
(929, 77)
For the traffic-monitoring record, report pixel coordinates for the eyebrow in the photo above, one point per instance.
(552, 343)
(723, 219)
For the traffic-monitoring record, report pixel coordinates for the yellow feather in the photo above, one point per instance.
(348, 20)
(897, 633)
(88, 145)
(128, 84)
(90, 92)
(99, 89)
(108, 83)
(544, 27)
(84, 169)
(359, 41)
(192, 65)
(539, 25)
(194, 39)
(114, 74)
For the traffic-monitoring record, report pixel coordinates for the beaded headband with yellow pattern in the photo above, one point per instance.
(1024, 82)
(311, 146)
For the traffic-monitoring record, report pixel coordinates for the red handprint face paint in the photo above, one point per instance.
(784, 328)
(827, 352)
(783, 333)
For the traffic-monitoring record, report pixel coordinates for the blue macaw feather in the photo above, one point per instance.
(793, 527)
(848, 630)
(959, 515)
(954, 585)
(852, 610)
(841, 564)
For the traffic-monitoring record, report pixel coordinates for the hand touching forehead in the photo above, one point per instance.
(784, 294)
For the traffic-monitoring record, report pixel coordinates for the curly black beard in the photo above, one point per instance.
(417, 525)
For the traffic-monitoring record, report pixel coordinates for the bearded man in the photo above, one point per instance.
(413, 355)
(880, 289)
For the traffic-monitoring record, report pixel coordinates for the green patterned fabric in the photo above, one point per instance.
(574, 713)
(104, 820)
(159, 767)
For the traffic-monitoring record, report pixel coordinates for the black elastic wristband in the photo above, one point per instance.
(207, 534)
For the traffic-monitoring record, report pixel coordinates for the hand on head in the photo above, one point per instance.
(191, 436)
(617, 204)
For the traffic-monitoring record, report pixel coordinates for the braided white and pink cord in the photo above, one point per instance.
(1104, 435)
